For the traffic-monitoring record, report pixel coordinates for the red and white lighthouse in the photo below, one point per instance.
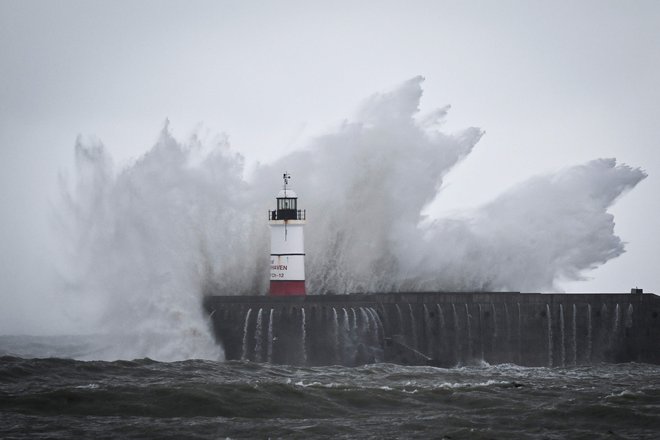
(287, 246)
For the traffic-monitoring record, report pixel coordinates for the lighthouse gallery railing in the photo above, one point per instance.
(286, 214)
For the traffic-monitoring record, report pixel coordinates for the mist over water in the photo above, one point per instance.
(145, 242)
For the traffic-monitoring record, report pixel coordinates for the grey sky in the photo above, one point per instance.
(552, 84)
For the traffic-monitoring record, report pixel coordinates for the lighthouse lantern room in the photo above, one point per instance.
(287, 249)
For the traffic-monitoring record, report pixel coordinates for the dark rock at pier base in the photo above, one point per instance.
(443, 329)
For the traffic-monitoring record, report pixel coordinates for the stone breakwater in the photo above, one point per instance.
(439, 328)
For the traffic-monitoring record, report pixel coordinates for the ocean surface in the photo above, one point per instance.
(58, 397)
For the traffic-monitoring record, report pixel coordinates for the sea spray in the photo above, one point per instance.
(379, 333)
(519, 334)
(140, 244)
(428, 332)
(562, 336)
(457, 335)
(574, 345)
(413, 328)
(244, 346)
(548, 319)
(303, 335)
(442, 333)
(605, 328)
(258, 337)
(508, 325)
(346, 335)
(365, 321)
(335, 326)
(270, 337)
(481, 333)
(615, 326)
(468, 328)
(629, 316)
(377, 325)
(402, 328)
(495, 328)
(388, 157)
(589, 334)
(617, 320)
(441, 319)
(346, 323)
(145, 242)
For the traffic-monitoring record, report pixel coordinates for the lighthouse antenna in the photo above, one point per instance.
(286, 176)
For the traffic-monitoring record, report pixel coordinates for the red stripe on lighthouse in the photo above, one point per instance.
(287, 288)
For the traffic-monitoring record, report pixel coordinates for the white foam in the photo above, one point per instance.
(144, 243)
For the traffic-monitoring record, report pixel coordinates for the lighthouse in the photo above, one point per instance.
(287, 247)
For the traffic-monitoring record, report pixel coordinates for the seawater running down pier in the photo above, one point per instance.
(443, 329)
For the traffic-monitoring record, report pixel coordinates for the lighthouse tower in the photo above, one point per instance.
(287, 247)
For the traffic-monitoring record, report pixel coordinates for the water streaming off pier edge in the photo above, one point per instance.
(538, 334)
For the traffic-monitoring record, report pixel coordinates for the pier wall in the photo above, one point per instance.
(443, 329)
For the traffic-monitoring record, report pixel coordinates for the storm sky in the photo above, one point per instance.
(552, 84)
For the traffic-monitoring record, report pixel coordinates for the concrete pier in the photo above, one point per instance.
(439, 328)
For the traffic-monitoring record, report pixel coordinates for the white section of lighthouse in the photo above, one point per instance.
(287, 246)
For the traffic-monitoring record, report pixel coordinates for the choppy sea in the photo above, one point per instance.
(57, 397)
